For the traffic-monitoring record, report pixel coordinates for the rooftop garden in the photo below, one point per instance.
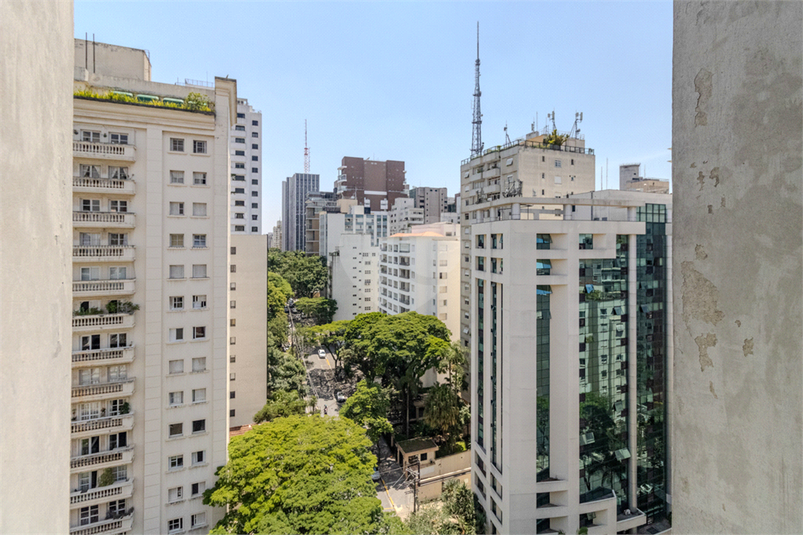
(193, 102)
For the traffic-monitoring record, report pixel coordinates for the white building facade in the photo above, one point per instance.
(246, 170)
(150, 304)
(353, 268)
(404, 214)
(419, 272)
(561, 290)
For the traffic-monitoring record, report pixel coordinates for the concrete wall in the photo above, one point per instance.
(112, 60)
(738, 411)
(35, 294)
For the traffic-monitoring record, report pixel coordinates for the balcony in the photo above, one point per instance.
(120, 355)
(101, 391)
(107, 424)
(103, 287)
(107, 527)
(103, 151)
(103, 219)
(102, 460)
(103, 185)
(101, 253)
(404, 261)
(101, 322)
(116, 491)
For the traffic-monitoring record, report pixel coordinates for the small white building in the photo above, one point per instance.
(420, 272)
(353, 268)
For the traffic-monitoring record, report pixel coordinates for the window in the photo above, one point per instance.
(117, 273)
(118, 373)
(88, 515)
(481, 241)
(175, 398)
(239, 228)
(117, 340)
(558, 180)
(239, 153)
(176, 177)
(543, 241)
(232, 412)
(255, 205)
(177, 524)
(586, 241)
(254, 217)
(198, 426)
(199, 147)
(176, 208)
(90, 205)
(119, 173)
(199, 209)
(176, 144)
(116, 507)
(239, 216)
(233, 286)
(176, 462)
(254, 229)
(255, 169)
(233, 250)
(198, 241)
(197, 488)
(239, 190)
(232, 340)
(89, 171)
(119, 139)
(254, 146)
(199, 271)
(232, 377)
(176, 272)
(239, 128)
(254, 158)
(557, 163)
(254, 182)
(198, 520)
(239, 139)
(199, 364)
(88, 135)
(254, 123)
(254, 134)
(176, 366)
(175, 430)
(239, 203)
(199, 395)
(199, 179)
(199, 301)
(176, 240)
(118, 206)
(232, 304)
(572, 161)
(233, 268)
(177, 335)
(175, 494)
(118, 239)
(232, 394)
(241, 116)
(254, 194)
(198, 333)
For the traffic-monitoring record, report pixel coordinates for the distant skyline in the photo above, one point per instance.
(394, 81)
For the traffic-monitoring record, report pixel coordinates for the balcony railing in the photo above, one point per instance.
(104, 185)
(118, 490)
(104, 287)
(105, 151)
(122, 422)
(119, 388)
(104, 219)
(117, 525)
(92, 253)
(123, 354)
(85, 323)
(124, 455)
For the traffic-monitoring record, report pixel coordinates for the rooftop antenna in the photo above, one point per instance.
(507, 137)
(578, 118)
(306, 149)
(476, 134)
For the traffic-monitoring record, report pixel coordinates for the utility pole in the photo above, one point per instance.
(414, 472)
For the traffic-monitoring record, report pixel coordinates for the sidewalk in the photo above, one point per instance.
(394, 491)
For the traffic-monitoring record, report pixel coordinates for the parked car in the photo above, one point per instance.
(340, 397)
(376, 475)
(321, 354)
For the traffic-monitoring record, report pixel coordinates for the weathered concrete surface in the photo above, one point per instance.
(36, 45)
(738, 373)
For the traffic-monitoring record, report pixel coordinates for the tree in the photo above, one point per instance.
(276, 301)
(281, 284)
(459, 514)
(556, 139)
(368, 407)
(458, 502)
(285, 372)
(300, 474)
(320, 309)
(307, 275)
(442, 410)
(281, 404)
(278, 331)
(399, 349)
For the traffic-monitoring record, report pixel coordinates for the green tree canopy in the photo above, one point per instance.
(280, 283)
(442, 410)
(305, 274)
(368, 407)
(320, 309)
(285, 372)
(300, 474)
(281, 404)
(276, 301)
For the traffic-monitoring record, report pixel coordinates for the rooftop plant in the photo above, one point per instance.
(193, 101)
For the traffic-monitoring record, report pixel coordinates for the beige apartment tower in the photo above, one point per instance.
(150, 297)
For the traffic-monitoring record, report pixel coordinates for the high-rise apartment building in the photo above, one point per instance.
(317, 202)
(248, 337)
(570, 372)
(356, 221)
(150, 289)
(354, 273)
(736, 149)
(373, 184)
(294, 197)
(276, 236)
(404, 215)
(35, 265)
(420, 271)
(433, 201)
(246, 170)
(526, 167)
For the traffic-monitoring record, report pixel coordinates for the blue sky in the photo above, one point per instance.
(395, 80)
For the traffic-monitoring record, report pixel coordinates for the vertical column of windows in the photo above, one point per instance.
(603, 377)
(481, 362)
(543, 316)
(650, 354)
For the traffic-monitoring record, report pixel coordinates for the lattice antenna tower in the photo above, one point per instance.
(476, 137)
(306, 149)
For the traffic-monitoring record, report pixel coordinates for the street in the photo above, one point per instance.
(321, 378)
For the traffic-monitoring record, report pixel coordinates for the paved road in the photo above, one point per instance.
(393, 490)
